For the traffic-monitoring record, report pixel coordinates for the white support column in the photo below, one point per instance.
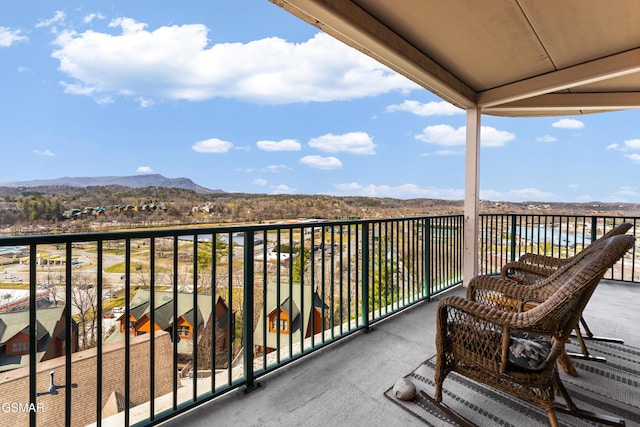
(471, 195)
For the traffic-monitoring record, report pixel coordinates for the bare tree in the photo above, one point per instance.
(205, 346)
(84, 299)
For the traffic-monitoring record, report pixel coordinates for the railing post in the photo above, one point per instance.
(68, 336)
(33, 341)
(426, 241)
(513, 238)
(594, 228)
(247, 322)
(365, 276)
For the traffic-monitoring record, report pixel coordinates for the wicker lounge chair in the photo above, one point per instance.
(485, 343)
(531, 269)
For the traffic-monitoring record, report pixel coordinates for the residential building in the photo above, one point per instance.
(192, 323)
(297, 308)
(85, 377)
(50, 336)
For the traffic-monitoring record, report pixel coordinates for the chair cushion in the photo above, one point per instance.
(529, 351)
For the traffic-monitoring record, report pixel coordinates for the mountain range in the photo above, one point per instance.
(134, 181)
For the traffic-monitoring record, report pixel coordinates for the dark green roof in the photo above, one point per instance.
(163, 315)
(139, 310)
(164, 307)
(16, 322)
(188, 316)
(289, 304)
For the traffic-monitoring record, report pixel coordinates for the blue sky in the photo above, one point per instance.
(244, 97)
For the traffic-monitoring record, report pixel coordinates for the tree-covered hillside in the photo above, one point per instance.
(65, 208)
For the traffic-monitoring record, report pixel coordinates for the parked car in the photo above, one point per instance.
(108, 315)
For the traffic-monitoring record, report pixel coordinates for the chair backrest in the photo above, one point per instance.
(615, 231)
(544, 287)
(573, 286)
(618, 229)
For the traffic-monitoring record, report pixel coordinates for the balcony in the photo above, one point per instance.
(343, 385)
(337, 312)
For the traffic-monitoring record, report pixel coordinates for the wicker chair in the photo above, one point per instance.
(531, 269)
(476, 339)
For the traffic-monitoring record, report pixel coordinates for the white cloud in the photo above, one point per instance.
(260, 182)
(443, 135)
(9, 36)
(144, 169)
(627, 192)
(90, 17)
(441, 108)
(628, 145)
(635, 157)
(145, 102)
(282, 189)
(492, 137)
(46, 153)
(518, 195)
(568, 124)
(283, 145)
(448, 152)
(622, 195)
(409, 191)
(531, 194)
(319, 162)
(276, 168)
(352, 142)
(403, 191)
(546, 138)
(585, 198)
(213, 145)
(632, 144)
(73, 89)
(447, 136)
(178, 63)
(58, 18)
(348, 187)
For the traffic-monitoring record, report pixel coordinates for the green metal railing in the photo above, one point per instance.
(256, 298)
(236, 302)
(504, 238)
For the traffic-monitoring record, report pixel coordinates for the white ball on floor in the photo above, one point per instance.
(404, 389)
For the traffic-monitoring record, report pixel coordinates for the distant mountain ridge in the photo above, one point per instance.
(134, 181)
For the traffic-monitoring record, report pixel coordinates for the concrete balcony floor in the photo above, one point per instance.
(343, 384)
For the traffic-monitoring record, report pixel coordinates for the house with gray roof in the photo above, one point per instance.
(190, 321)
(50, 336)
(293, 312)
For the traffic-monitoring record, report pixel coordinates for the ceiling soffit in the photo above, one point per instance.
(509, 57)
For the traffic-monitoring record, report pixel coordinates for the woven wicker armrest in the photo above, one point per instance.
(471, 327)
(457, 309)
(475, 309)
(543, 260)
(501, 294)
(524, 273)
